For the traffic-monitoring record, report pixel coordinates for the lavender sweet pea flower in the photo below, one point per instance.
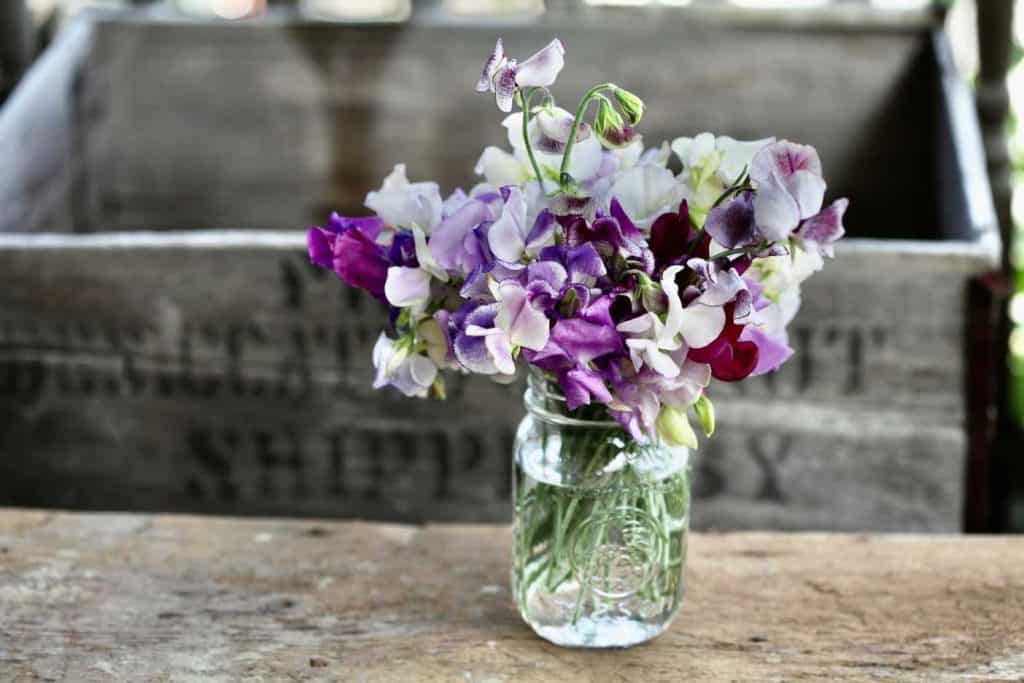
(772, 350)
(403, 204)
(504, 76)
(482, 347)
(787, 177)
(525, 325)
(460, 242)
(509, 238)
(410, 373)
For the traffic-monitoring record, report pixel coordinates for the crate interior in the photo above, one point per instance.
(181, 125)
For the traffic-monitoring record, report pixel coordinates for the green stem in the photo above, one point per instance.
(580, 111)
(524, 103)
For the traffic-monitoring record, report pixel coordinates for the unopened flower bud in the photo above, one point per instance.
(705, 411)
(674, 427)
(610, 127)
(632, 106)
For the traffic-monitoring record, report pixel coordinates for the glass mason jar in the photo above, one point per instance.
(601, 524)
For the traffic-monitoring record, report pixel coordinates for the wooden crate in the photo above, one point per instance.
(202, 369)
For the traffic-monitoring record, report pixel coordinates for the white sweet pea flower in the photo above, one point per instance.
(646, 191)
(503, 76)
(648, 342)
(406, 287)
(700, 323)
(402, 204)
(549, 132)
(500, 168)
(410, 373)
(712, 164)
(426, 257)
(778, 274)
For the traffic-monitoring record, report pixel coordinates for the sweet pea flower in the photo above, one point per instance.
(777, 274)
(821, 231)
(701, 321)
(460, 242)
(711, 164)
(411, 373)
(349, 247)
(647, 191)
(548, 131)
(479, 345)
(525, 324)
(787, 177)
(400, 203)
(509, 238)
(503, 76)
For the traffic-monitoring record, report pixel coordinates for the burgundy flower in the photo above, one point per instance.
(672, 236)
(730, 358)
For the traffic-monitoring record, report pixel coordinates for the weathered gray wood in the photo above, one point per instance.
(271, 124)
(220, 372)
(96, 598)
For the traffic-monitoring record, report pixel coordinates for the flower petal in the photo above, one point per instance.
(493, 63)
(507, 237)
(541, 69)
(700, 325)
(824, 228)
(732, 224)
(525, 325)
(776, 213)
(505, 86)
(406, 286)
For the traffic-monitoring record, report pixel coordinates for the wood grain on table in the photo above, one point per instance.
(118, 597)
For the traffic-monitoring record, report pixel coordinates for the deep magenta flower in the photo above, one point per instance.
(348, 246)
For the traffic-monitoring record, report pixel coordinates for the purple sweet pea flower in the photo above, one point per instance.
(479, 345)
(504, 76)
(789, 186)
(732, 224)
(582, 386)
(609, 234)
(825, 228)
(583, 263)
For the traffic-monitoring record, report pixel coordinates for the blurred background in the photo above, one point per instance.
(151, 359)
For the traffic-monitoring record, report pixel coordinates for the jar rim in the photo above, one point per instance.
(544, 399)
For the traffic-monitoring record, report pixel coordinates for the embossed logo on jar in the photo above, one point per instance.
(616, 554)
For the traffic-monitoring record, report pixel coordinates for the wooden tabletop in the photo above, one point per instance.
(90, 597)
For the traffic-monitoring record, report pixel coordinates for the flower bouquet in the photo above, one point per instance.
(624, 288)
